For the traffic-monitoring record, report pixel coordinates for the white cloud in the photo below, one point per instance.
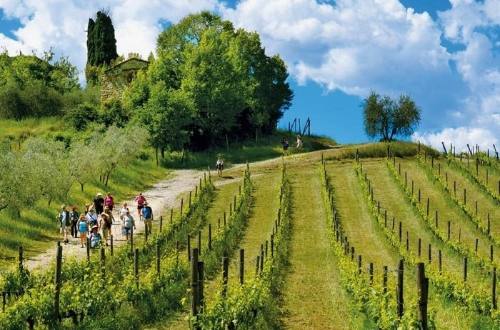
(61, 24)
(352, 45)
(459, 137)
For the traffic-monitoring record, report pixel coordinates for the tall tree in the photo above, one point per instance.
(101, 42)
(389, 118)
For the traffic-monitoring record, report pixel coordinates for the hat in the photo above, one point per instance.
(99, 194)
(95, 227)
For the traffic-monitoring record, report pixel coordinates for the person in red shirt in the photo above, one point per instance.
(140, 200)
(109, 201)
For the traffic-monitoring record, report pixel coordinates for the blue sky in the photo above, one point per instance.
(445, 54)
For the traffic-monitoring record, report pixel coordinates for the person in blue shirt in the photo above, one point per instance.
(83, 228)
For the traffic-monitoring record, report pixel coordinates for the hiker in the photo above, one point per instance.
(83, 228)
(109, 201)
(127, 224)
(91, 217)
(299, 142)
(147, 215)
(285, 145)
(95, 237)
(140, 200)
(123, 211)
(64, 222)
(74, 216)
(219, 165)
(99, 203)
(105, 224)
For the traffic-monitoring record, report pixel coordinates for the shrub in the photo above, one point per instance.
(113, 113)
(81, 115)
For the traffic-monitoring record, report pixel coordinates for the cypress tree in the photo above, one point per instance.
(101, 42)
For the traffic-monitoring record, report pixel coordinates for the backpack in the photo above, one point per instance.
(147, 212)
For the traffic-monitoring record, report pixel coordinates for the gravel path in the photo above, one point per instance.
(161, 196)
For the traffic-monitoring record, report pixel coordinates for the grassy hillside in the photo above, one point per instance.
(311, 280)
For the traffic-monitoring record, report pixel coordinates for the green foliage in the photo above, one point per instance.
(101, 42)
(218, 82)
(447, 285)
(81, 115)
(85, 291)
(254, 305)
(34, 87)
(388, 118)
(113, 113)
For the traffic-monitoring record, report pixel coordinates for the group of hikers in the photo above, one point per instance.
(97, 219)
(96, 222)
(285, 144)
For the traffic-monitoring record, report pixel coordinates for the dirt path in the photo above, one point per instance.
(162, 195)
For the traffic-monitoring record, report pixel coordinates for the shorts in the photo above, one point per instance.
(105, 232)
(83, 236)
(140, 207)
(126, 231)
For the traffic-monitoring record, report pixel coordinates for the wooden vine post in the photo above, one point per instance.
(136, 267)
(194, 283)
(423, 294)
(58, 279)
(242, 266)
(399, 289)
(225, 275)
(20, 259)
(158, 257)
(494, 288)
(201, 294)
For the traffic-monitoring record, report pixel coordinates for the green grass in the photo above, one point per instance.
(15, 130)
(250, 150)
(447, 210)
(38, 228)
(486, 204)
(312, 289)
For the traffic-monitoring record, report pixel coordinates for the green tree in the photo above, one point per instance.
(101, 42)
(389, 118)
(167, 117)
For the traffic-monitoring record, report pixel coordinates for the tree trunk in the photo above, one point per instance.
(81, 186)
(162, 152)
(156, 155)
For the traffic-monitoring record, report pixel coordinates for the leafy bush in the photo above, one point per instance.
(113, 113)
(81, 115)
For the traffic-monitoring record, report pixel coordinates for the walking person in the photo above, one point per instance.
(109, 201)
(74, 216)
(140, 200)
(219, 165)
(83, 228)
(91, 216)
(127, 224)
(105, 224)
(299, 142)
(285, 145)
(95, 237)
(147, 215)
(99, 203)
(64, 222)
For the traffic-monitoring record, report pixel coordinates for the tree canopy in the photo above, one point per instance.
(101, 42)
(209, 82)
(389, 118)
(33, 86)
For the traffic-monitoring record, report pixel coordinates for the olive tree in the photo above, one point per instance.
(389, 118)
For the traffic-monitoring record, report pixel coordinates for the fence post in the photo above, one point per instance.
(430, 253)
(491, 253)
(209, 236)
(103, 262)
(261, 257)
(440, 261)
(476, 245)
(161, 223)
(194, 283)
(201, 293)
(272, 246)
(58, 279)
(225, 274)
(370, 271)
(384, 279)
(190, 193)
(428, 206)
(242, 266)
(359, 263)
(132, 239)
(111, 250)
(199, 242)
(494, 288)
(20, 259)
(189, 247)
(465, 269)
(171, 216)
(257, 266)
(449, 230)
(465, 196)
(88, 249)
(419, 247)
(437, 219)
(182, 205)
(158, 256)
(136, 267)
(400, 232)
(423, 294)
(399, 289)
